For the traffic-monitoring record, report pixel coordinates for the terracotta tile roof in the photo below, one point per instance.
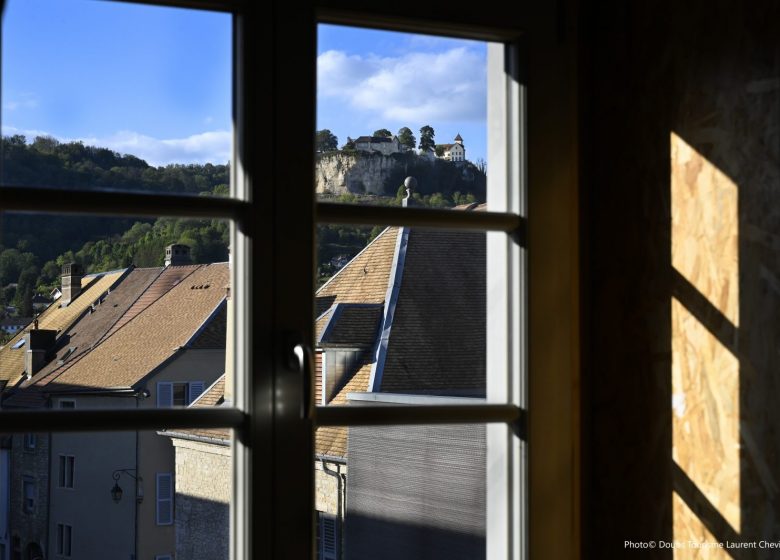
(353, 325)
(167, 278)
(57, 318)
(129, 354)
(365, 278)
(213, 396)
(83, 335)
(437, 340)
(332, 440)
(214, 334)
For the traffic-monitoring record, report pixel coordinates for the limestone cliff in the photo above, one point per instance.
(363, 173)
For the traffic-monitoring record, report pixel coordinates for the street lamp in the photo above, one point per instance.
(116, 491)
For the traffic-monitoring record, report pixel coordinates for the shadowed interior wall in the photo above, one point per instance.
(681, 166)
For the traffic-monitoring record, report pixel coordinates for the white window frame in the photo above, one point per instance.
(272, 248)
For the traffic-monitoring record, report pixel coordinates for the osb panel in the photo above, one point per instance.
(692, 539)
(705, 423)
(705, 228)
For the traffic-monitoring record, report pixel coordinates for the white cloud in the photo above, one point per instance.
(205, 147)
(417, 88)
(21, 101)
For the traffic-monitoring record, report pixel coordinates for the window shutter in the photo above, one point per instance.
(164, 394)
(196, 388)
(164, 498)
(329, 537)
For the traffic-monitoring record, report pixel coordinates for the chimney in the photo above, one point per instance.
(39, 344)
(176, 254)
(71, 282)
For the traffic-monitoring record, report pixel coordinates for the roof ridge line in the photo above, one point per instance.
(206, 322)
(391, 299)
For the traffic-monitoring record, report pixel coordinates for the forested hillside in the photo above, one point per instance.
(33, 247)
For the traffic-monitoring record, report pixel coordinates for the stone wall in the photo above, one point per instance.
(30, 527)
(204, 488)
(326, 490)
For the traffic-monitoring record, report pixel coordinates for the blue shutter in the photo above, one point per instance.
(329, 537)
(164, 394)
(196, 388)
(164, 498)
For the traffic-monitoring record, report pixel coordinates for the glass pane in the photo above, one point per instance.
(400, 310)
(141, 316)
(401, 492)
(114, 95)
(143, 494)
(392, 105)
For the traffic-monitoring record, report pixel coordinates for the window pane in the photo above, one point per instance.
(400, 310)
(114, 504)
(392, 105)
(402, 492)
(112, 95)
(135, 316)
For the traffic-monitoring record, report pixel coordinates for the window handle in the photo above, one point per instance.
(305, 361)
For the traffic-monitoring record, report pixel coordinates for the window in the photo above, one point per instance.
(271, 281)
(64, 540)
(164, 498)
(29, 493)
(171, 394)
(29, 441)
(67, 404)
(67, 471)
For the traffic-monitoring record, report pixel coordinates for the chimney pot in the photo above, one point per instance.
(72, 273)
(177, 254)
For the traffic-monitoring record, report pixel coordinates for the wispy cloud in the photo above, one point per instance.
(418, 87)
(205, 147)
(21, 101)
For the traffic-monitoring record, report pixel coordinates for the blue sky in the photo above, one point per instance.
(155, 82)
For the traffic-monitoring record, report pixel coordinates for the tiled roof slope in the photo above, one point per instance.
(85, 334)
(214, 335)
(365, 278)
(213, 396)
(437, 341)
(167, 279)
(353, 325)
(56, 318)
(152, 337)
(332, 441)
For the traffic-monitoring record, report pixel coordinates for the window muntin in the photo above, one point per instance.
(496, 224)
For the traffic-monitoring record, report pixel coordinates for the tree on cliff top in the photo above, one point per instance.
(325, 141)
(426, 138)
(383, 133)
(406, 138)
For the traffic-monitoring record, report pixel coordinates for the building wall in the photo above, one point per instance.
(99, 524)
(31, 527)
(156, 454)
(416, 492)
(203, 491)
(326, 488)
(680, 162)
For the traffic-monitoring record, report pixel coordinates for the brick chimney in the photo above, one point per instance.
(176, 254)
(39, 344)
(71, 282)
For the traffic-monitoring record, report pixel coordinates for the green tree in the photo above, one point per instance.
(383, 133)
(349, 146)
(325, 141)
(439, 150)
(406, 138)
(426, 138)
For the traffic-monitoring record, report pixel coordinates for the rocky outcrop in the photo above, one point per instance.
(377, 174)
